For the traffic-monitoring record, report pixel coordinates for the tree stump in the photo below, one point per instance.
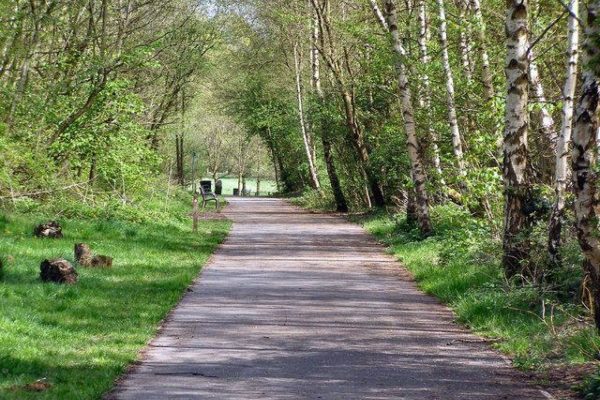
(50, 229)
(59, 271)
(85, 258)
(102, 261)
(83, 254)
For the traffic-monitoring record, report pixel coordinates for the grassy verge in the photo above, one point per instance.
(78, 339)
(460, 264)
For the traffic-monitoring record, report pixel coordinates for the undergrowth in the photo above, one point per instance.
(460, 265)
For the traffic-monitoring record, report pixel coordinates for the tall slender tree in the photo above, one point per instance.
(425, 95)
(486, 70)
(585, 157)
(515, 147)
(564, 138)
(418, 172)
(312, 169)
(334, 180)
(457, 140)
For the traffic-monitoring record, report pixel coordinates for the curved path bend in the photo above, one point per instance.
(304, 306)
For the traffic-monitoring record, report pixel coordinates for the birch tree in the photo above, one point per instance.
(418, 173)
(515, 147)
(465, 38)
(486, 71)
(314, 178)
(337, 64)
(585, 157)
(334, 180)
(425, 95)
(539, 96)
(564, 138)
(457, 147)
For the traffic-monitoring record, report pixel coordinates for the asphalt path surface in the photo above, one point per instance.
(297, 305)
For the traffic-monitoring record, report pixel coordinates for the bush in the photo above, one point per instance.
(316, 201)
(590, 390)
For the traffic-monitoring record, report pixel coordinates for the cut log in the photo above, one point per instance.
(83, 254)
(59, 271)
(50, 229)
(102, 261)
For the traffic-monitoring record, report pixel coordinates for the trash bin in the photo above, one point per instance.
(206, 186)
(219, 187)
(236, 192)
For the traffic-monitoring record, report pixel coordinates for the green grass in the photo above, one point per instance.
(80, 338)
(267, 187)
(460, 265)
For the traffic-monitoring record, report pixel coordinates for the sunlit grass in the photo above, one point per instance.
(80, 338)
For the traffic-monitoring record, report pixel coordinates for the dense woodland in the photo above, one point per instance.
(406, 105)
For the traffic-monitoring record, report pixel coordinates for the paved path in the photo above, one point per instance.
(304, 306)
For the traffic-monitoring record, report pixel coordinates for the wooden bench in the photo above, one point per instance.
(208, 196)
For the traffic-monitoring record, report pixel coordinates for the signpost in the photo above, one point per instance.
(195, 213)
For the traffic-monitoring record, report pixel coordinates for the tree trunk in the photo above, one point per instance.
(584, 162)
(417, 170)
(425, 95)
(516, 184)
(546, 120)
(92, 174)
(562, 146)
(379, 15)
(457, 148)
(465, 41)
(486, 71)
(314, 179)
(361, 148)
(336, 187)
(277, 164)
(348, 98)
(179, 159)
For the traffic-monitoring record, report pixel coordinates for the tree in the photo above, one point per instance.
(516, 177)
(457, 140)
(585, 156)
(564, 138)
(417, 171)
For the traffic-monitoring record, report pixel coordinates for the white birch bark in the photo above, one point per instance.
(379, 15)
(585, 156)
(564, 139)
(486, 70)
(464, 42)
(515, 146)
(417, 171)
(336, 187)
(307, 147)
(539, 96)
(425, 96)
(457, 148)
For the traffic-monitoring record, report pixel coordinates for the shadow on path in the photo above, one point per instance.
(304, 306)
